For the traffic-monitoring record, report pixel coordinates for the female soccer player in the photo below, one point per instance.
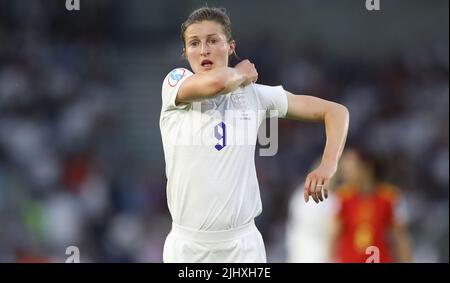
(209, 122)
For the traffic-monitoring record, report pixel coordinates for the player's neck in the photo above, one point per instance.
(367, 185)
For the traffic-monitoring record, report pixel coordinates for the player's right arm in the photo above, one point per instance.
(216, 82)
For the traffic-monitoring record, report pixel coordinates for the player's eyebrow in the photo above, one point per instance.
(195, 36)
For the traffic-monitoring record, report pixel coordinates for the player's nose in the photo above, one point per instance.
(204, 49)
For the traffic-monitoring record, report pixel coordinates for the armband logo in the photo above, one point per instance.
(175, 76)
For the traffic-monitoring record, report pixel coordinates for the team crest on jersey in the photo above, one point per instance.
(175, 76)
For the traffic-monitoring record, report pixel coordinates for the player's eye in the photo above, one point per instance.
(193, 43)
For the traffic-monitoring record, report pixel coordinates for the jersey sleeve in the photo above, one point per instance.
(171, 84)
(273, 100)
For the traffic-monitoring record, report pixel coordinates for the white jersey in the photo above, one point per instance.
(209, 149)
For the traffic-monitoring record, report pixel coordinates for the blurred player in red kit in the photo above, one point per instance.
(371, 216)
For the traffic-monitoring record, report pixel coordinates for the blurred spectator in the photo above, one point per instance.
(309, 227)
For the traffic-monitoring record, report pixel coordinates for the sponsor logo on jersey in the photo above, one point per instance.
(175, 76)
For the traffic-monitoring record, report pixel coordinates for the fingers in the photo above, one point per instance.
(306, 189)
(325, 190)
(306, 195)
(316, 187)
(249, 70)
(312, 189)
(253, 73)
(255, 78)
(310, 184)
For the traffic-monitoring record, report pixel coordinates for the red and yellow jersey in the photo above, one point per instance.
(365, 220)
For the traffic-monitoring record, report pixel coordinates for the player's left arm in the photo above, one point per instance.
(402, 242)
(336, 119)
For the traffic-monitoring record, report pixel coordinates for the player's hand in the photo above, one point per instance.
(248, 71)
(317, 181)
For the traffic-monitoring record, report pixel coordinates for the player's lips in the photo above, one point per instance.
(207, 63)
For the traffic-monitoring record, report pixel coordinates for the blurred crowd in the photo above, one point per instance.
(398, 112)
(63, 179)
(66, 178)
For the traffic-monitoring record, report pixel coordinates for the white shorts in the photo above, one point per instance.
(240, 245)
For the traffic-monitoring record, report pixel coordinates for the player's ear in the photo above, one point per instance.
(184, 53)
(232, 47)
